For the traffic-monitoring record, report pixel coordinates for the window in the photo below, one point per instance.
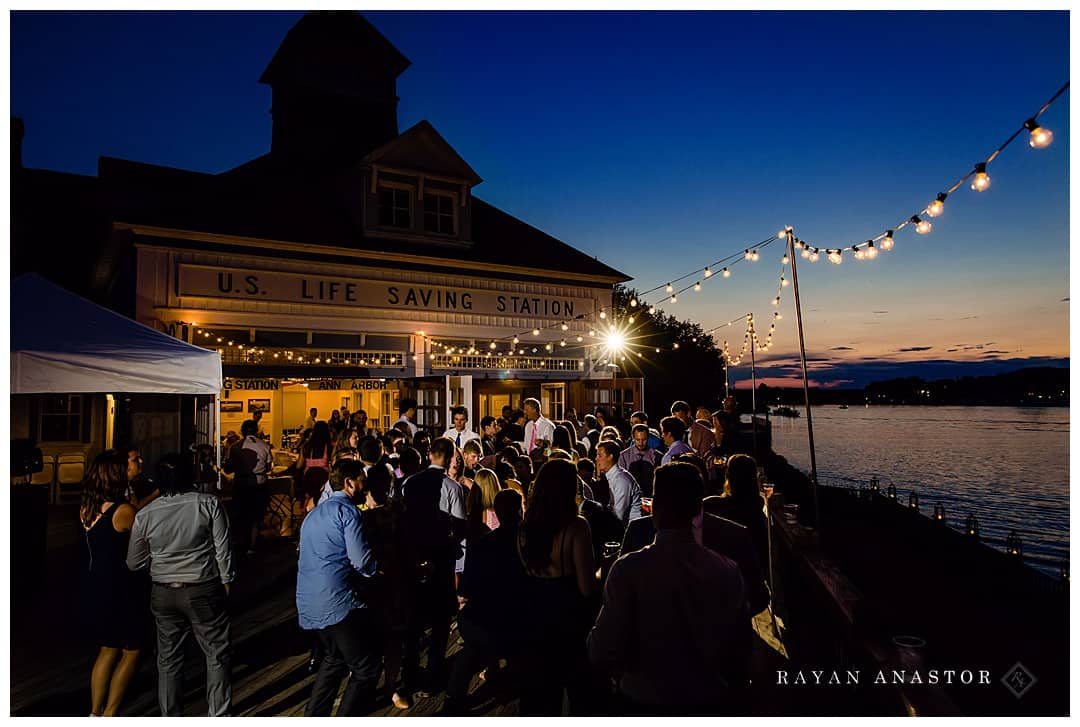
(61, 419)
(395, 207)
(439, 214)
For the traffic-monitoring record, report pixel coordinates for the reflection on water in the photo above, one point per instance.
(1007, 466)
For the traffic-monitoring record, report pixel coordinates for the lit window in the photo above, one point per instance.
(395, 207)
(439, 214)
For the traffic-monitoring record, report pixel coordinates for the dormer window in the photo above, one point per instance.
(440, 212)
(395, 206)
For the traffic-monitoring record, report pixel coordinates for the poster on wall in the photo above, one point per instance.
(255, 405)
(232, 407)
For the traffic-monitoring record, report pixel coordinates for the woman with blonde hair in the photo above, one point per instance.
(480, 503)
(116, 606)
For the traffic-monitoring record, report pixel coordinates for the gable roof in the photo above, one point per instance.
(333, 50)
(273, 203)
(422, 148)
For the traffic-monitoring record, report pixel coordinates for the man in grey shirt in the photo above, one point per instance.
(183, 537)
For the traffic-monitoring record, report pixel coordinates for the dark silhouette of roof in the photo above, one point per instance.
(272, 202)
(334, 51)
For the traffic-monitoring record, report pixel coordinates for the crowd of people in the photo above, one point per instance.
(618, 567)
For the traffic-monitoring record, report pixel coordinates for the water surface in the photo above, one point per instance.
(1007, 466)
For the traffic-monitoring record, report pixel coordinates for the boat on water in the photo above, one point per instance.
(842, 406)
(784, 411)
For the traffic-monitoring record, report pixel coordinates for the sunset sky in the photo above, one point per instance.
(662, 142)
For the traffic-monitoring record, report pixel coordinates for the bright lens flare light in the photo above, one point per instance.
(614, 342)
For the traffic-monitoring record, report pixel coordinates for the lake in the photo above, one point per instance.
(1007, 466)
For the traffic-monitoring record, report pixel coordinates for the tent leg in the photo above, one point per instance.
(217, 436)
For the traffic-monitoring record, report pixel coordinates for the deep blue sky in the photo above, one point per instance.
(660, 142)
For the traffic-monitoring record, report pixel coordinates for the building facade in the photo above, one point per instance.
(352, 265)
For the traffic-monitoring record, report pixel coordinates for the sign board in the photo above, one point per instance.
(200, 281)
(234, 384)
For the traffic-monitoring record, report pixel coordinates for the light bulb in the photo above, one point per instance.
(777, 315)
(814, 257)
(565, 327)
(675, 345)
(516, 339)
(548, 347)
(633, 302)
(781, 235)
(631, 319)
(697, 287)
(674, 299)
(611, 326)
(921, 226)
(871, 251)
(776, 300)
(580, 339)
(746, 254)
(708, 273)
(603, 314)
(669, 288)
(658, 350)
(982, 180)
(652, 309)
(784, 282)
(491, 345)
(834, 258)
(805, 253)
(859, 253)
(754, 256)
(592, 333)
(726, 273)
(784, 260)
(887, 241)
(536, 331)
(935, 208)
(1040, 138)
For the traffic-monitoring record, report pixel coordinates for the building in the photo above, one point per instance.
(352, 265)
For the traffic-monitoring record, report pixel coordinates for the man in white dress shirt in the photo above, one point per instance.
(625, 491)
(539, 431)
(407, 409)
(460, 432)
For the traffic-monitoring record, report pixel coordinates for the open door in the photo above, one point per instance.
(431, 394)
(459, 393)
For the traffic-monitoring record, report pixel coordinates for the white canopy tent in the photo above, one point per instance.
(62, 343)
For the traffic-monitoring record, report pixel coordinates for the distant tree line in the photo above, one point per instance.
(1034, 386)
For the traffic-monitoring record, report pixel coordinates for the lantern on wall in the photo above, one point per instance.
(913, 501)
(971, 527)
(939, 513)
(1014, 546)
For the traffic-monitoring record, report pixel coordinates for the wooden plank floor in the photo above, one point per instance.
(51, 658)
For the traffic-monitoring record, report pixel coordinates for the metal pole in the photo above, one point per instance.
(806, 377)
(753, 387)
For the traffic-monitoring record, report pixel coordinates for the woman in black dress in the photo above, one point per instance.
(115, 604)
(555, 546)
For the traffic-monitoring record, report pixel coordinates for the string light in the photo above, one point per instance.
(982, 180)
(697, 287)
(921, 226)
(935, 208)
(859, 254)
(669, 287)
(834, 258)
(887, 241)
(565, 327)
(602, 313)
(536, 331)
(674, 299)
(726, 273)
(633, 302)
(1040, 138)
(871, 251)
(708, 273)
(814, 256)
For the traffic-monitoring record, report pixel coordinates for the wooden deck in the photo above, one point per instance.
(51, 660)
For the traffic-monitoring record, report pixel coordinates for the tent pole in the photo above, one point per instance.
(217, 436)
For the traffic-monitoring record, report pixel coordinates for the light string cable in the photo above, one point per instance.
(1039, 138)
(750, 336)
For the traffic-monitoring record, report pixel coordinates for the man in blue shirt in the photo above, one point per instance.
(336, 562)
(672, 430)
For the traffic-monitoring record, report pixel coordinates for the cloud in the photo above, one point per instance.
(862, 371)
(914, 348)
(989, 353)
(842, 348)
(966, 318)
(951, 350)
(879, 312)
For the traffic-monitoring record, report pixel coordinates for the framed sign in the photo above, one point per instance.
(232, 407)
(255, 405)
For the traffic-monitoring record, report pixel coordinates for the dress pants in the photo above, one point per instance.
(431, 607)
(199, 609)
(352, 646)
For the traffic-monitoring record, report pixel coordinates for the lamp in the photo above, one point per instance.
(971, 527)
(939, 513)
(913, 501)
(1014, 546)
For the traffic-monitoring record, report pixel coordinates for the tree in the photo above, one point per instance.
(688, 366)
